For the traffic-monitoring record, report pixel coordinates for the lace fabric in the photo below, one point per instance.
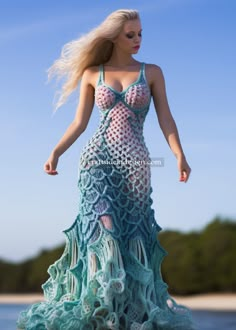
(109, 276)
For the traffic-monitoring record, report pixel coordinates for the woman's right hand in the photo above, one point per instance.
(51, 165)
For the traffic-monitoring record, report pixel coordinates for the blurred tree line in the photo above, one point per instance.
(197, 262)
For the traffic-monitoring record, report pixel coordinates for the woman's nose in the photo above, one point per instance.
(137, 39)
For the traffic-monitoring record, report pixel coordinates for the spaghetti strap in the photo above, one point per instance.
(143, 74)
(143, 68)
(100, 76)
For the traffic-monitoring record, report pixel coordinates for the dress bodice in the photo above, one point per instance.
(120, 132)
(136, 96)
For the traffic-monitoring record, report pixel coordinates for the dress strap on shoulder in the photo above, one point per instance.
(143, 74)
(142, 67)
(101, 74)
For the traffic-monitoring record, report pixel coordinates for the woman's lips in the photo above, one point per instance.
(136, 47)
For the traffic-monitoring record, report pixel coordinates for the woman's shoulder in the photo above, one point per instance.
(90, 75)
(153, 72)
(91, 70)
(153, 67)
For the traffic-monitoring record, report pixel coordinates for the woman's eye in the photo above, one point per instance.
(131, 35)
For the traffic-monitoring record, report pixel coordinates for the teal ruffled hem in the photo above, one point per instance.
(117, 290)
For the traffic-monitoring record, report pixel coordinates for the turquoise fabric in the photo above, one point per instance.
(109, 275)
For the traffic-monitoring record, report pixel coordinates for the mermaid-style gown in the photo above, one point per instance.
(109, 275)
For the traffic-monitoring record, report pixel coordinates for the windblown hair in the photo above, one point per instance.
(93, 48)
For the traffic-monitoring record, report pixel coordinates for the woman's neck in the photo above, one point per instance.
(119, 59)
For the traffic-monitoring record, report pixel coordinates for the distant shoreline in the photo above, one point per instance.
(211, 301)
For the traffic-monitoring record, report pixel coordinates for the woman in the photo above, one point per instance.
(109, 274)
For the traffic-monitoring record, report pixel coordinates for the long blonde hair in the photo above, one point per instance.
(94, 48)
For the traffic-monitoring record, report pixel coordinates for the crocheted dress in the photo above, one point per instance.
(109, 274)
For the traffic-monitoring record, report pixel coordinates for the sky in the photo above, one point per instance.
(193, 41)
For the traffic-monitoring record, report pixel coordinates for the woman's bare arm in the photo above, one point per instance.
(78, 125)
(166, 120)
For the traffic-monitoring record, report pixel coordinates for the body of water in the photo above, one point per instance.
(205, 320)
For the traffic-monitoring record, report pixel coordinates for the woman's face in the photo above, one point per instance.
(129, 39)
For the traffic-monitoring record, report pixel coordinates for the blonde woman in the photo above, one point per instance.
(109, 274)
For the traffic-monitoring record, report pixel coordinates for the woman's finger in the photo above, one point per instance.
(183, 176)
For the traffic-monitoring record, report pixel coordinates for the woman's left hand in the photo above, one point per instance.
(184, 169)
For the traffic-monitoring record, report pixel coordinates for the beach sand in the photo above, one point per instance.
(200, 302)
(221, 302)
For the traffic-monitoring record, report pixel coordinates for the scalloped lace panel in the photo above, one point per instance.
(109, 275)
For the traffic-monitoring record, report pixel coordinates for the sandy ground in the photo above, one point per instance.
(209, 301)
(203, 301)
